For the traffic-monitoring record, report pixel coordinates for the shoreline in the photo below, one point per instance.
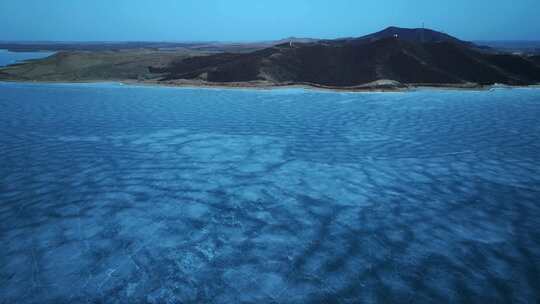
(367, 88)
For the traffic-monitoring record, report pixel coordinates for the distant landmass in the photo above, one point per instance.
(393, 58)
(515, 47)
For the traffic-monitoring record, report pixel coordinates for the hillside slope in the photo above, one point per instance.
(350, 63)
(92, 66)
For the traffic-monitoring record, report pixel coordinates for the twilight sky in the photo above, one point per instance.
(252, 20)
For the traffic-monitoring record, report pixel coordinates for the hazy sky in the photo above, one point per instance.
(244, 20)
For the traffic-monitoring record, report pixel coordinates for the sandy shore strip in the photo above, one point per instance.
(383, 86)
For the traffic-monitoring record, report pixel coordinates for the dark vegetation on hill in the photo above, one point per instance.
(414, 56)
(411, 35)
(536, 59)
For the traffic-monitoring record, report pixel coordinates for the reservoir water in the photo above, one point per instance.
(121, 194)
(7, 57)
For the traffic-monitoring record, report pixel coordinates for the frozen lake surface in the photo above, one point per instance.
(121, 194)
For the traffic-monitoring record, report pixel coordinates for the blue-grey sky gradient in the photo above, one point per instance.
(255, 20)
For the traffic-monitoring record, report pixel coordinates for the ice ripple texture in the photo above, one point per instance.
(119, 194)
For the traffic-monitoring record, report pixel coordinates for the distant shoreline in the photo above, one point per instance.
(277, 86)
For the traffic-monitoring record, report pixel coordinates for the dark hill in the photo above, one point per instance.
(535, 59)
(436, 58)
(413, 35)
